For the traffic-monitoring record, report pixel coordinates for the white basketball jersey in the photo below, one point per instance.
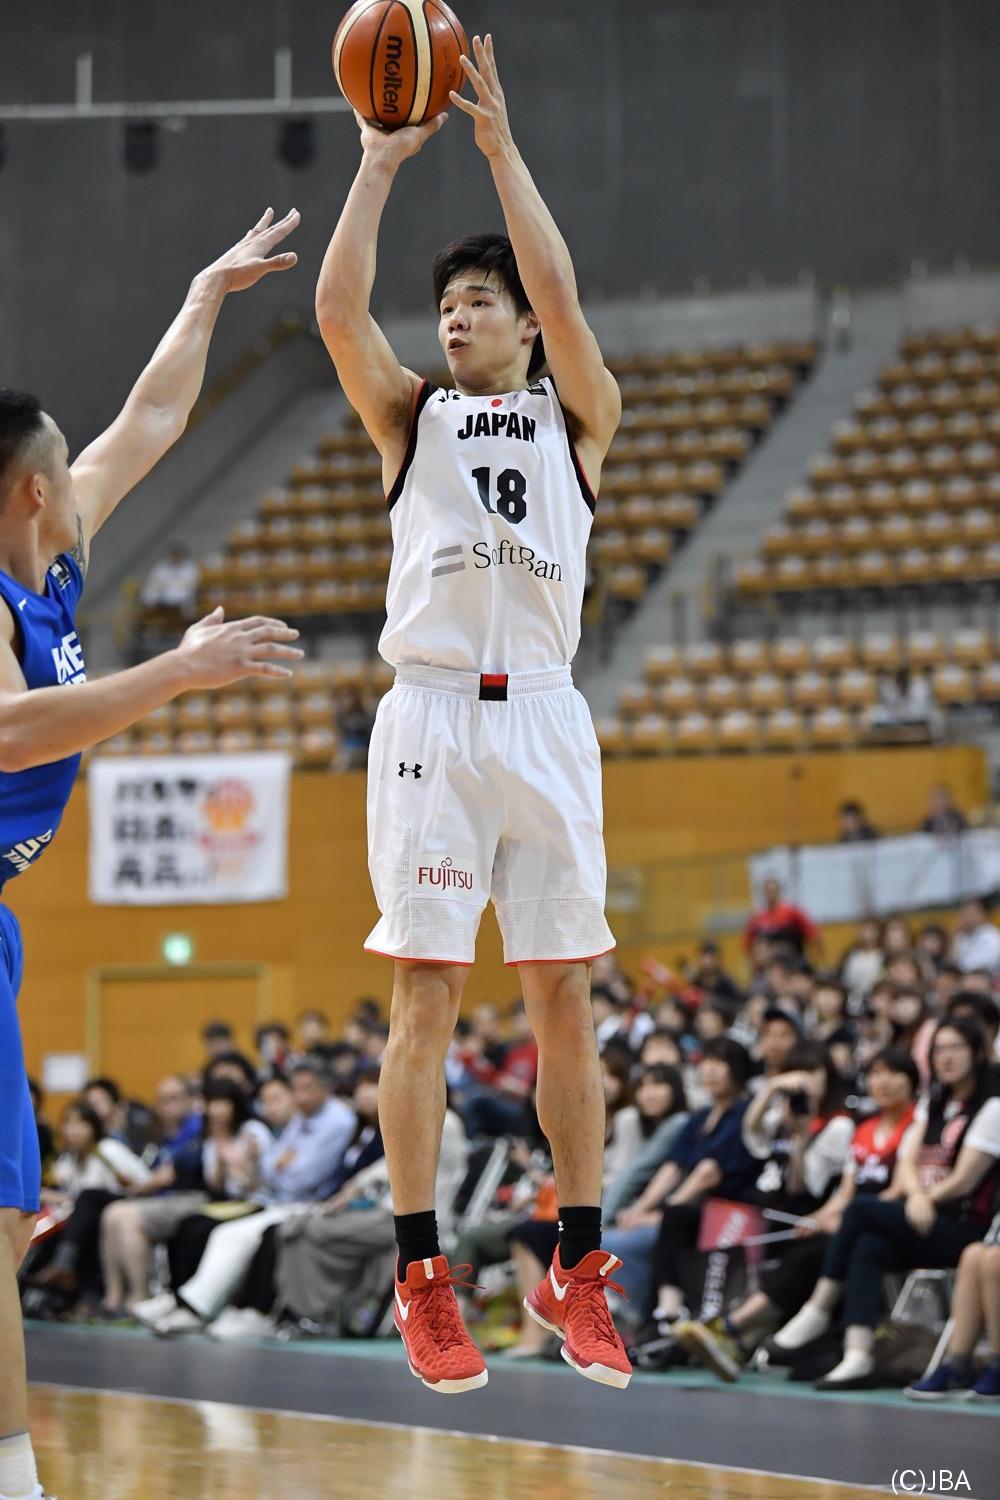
(490, 516)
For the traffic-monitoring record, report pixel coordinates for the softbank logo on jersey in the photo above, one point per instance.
(509, 554)
(68, 659)
(445, 875)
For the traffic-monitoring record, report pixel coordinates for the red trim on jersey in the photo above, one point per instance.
(493, 679)
(516, 962)
(455, 963)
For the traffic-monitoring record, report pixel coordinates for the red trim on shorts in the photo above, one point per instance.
(458, 963)
(515, 963)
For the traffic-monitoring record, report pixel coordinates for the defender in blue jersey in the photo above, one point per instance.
(49, 712)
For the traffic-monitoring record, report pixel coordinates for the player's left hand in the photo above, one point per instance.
(250, 258)
(490, 109)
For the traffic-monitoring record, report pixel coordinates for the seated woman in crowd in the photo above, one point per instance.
(975, 1306)
(708, 1157)
(235, 1143)
(91, 1171)
(946, 1183)
(814, 1141)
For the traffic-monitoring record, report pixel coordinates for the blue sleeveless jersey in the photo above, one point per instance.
(32, 802)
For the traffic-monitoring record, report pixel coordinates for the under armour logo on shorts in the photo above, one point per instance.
(414, 771)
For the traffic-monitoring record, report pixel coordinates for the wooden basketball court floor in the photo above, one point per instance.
(124, 1417)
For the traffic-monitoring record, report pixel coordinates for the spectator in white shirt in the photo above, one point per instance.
(172, 583)
(976, 944)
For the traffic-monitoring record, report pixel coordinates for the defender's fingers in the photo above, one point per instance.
(466, 107)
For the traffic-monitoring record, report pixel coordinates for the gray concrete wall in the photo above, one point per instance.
(675, 139)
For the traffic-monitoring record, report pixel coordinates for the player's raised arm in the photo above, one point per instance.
(587, 389)
(47, 724)
(376, 384)
(160, 402)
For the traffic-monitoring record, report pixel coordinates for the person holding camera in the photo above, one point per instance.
(797, 1126)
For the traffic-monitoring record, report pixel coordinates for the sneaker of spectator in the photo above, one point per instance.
(987, 1387)
(235, 1324)
(946, 1381)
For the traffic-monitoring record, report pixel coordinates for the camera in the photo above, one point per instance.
(799, 1102)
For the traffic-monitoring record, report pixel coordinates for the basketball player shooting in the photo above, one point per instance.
(50, 512)
(484, 776)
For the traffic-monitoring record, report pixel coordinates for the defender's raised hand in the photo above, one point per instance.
(250, 258)
(490, 110)
(217, 652)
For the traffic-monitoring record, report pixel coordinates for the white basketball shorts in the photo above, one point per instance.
(474, 798)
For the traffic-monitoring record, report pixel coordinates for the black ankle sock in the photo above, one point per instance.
(417, 1238)
(579, 1233)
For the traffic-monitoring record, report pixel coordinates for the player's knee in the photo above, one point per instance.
(11, 1234)
(424, 1003)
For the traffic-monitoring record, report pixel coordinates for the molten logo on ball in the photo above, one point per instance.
(391, 75)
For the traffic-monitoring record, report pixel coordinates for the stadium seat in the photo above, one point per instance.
(783, 730)
(831, 729)
(650, 735)
(737, 730)
(612, 736)
(694, 732)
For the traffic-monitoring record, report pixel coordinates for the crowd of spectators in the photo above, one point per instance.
(779, 1140)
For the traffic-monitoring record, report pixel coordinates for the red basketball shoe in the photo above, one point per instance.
(429, 1322)
(572, 1304)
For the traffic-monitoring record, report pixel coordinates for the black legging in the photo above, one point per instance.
(78, 1246)
(876, 1238)
(186, 1247)
(259, 1289)
(789, 1284)
(678, 1239)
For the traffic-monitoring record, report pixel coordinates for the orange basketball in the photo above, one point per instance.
(397, 60)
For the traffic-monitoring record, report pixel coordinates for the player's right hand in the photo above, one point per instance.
(216, 652)
(394, 146)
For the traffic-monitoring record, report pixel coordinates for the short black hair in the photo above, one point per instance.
(897, 1060)
(271, 1028)
(985, 1009)
(88, 1115)
(232, 1059)
(20, 425)
(316, 1068)
(108, 1085)
(735, 1056)
(213, 1029)
(494, 254)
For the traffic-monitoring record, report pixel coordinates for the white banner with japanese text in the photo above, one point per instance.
(173, 830)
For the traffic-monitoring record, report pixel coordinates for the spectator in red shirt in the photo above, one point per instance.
(780, 922)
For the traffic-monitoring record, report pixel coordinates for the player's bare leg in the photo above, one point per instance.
(15, 1237)
(411, 1108)
(570, 1300)
(570, 1094)
(411, 1095)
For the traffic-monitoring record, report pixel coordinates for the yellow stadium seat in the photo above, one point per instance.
(315, 711)
(634, 700)
(737, 730)
(236, 741)
(234, 711)
(612, 736)
(650, 735)
(194, 742)
(722, 693)
(783, 730)
(279, 737)
(856, 688)
(661, 662)
(953, 686)
(765, 692)
(880, 652)
(694, 732)
(194, 711)
(971, 647)
(749, 658)
(831, 729)
(924, 649)
(316, 748)
(810, 690)
(988, 683)
(790, 654)
(704, 659)
(679, 695)
(832, 653)
(275, 711)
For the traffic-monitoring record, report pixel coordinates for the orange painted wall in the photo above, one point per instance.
(311, 943)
